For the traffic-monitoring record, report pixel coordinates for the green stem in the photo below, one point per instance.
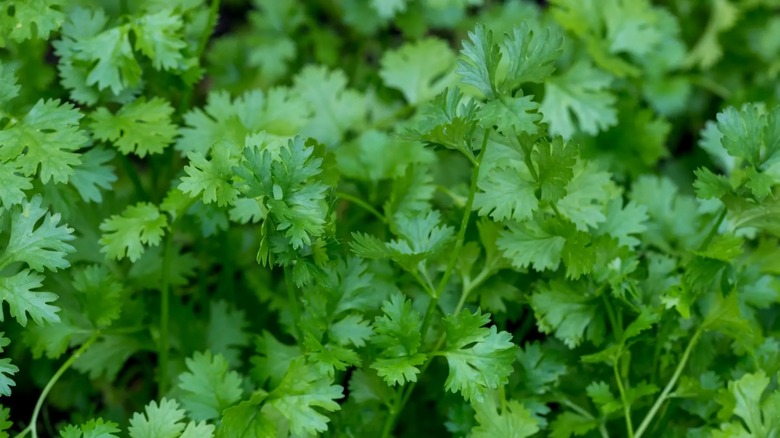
(669, 386)
(714, 230)
(409, 389)
(294, 304)
(616, 328)
(361, 203)
(165, 296)
(624, 399)
(466, 216)
(33, 426)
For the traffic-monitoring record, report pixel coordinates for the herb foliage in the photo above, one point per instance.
(389, 218)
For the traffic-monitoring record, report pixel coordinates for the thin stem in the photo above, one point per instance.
(617, 328)
(165, 296)
(466, 216)
(624, 399)
(363, 204)
(33, 426)
(294, 304)
(409, 389)
(577, 408)
(669, 386)
(714, 230)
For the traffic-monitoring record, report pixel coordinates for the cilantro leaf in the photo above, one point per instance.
(95, 428)
(512, 420)
(480, 60)
(7, 369)
(420, 70)
(13, 184)
(212, 177)
(280, 112)
(506, 191)
(587, 194)
(165, 420)
(335, 108)
(291, 188)
(479, 358)
(531, 53)
(624, 222)
(579, 91)
(567, 312)
(9, 88)
(17, 291)
(126, 234)
(158, 36)
(47, 136)
(94, 174)
(301, 391)
(398, 336)
(540, 371)
(30, 18)
(41, 246)
(555, 162)
(209, 388)
(528, 244)
(511, 116)
(141, 127)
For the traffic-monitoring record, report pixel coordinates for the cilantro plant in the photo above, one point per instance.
(351, 218)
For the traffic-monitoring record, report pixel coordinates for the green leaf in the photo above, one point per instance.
(106, 54)
(301, 391)
(529, 245)
(512, 420)
(749, 133)
(506, 191)
(398, 337)
(41, 244)
(95, 428)
(9, 88)
(579, 91)
(759, 413)
(586, 196)
(511, 116)
(280, 112)
(540, 371)
(531, 53)
(125, 235)
(567, 312)
(226, 333)
(158, 36)
(165, 420)
(555, 163)
(624, 223)
(208, 387)
(420, 70)
(247, 421)
(94, 174)
(47, 136)
(480, 60)
(28, 19)
(479, 358)
(13, 184)
(7, 369)
(141, 127)
(290, 184)
(212, 177)
(335, 108)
